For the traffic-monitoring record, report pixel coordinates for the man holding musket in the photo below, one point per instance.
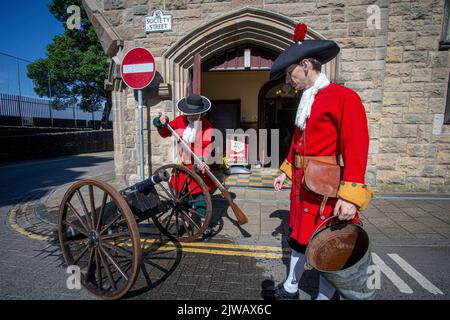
(196, 131)
(330, 122)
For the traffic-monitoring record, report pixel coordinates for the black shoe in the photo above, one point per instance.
(281, 294)
(207, 234)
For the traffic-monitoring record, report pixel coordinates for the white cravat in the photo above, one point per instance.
(190, 131)
(308, 96)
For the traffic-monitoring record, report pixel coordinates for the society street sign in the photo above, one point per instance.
(138, 68)
(158, 22)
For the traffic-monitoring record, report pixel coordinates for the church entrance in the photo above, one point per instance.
(232, 80)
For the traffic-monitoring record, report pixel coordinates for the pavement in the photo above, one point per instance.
(410, 236)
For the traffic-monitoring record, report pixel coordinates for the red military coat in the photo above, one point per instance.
(337, 126)
(201, 147)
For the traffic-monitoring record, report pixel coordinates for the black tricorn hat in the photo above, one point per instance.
(321, 50)
(194, 104)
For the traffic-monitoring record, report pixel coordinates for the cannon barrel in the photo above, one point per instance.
(143, 186)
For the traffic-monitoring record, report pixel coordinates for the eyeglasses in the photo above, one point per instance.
(289, 70)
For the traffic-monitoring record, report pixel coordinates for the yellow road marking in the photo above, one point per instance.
(222, 245)
(267, 255)
(207, 248)
(19, 229)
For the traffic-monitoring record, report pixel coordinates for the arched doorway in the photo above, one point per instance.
(232, 80)
(245, 28)
(258, 27)
(277, 107)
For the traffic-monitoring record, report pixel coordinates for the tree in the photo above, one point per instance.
(75, 66)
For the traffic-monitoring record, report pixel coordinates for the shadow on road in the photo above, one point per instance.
(27, 179)
(310, 279)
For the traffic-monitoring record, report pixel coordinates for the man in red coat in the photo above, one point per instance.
(330, 122)
(196, 131)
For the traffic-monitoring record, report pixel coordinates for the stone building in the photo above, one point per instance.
(393, 53)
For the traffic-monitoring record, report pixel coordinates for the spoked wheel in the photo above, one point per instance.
(98, 233)
(189, 207)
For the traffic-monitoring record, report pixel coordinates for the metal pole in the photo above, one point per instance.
(51, 113)
(74, 116)
(141, 134)
(20, 91)
(50, 98)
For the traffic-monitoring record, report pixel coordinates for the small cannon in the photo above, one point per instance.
(98, 226)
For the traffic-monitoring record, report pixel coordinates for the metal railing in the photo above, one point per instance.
(37, 112)
(20, 106)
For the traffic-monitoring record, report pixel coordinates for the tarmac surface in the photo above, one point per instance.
(410, 236)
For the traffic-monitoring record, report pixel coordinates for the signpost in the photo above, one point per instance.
(138, 71)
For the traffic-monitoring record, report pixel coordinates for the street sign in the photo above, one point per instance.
(158, 22)
(138, 68)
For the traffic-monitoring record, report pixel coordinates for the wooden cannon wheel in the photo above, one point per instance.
(103, 241)
(189, 207)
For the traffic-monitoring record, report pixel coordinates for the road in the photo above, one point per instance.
(39, 176)
(419, 271)
(32, 269)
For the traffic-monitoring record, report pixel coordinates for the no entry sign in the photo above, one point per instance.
(138, 68)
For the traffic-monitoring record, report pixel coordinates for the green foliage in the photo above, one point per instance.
(75, 66)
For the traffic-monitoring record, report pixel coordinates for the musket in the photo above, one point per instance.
(240, 216)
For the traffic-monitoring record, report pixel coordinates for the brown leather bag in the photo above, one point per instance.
(323, 179)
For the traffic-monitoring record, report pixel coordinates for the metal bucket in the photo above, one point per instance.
(341, 252)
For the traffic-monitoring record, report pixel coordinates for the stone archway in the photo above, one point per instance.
(245, 26)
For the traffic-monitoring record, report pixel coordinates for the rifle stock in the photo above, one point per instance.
(240, 216)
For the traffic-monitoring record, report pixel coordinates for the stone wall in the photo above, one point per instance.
(397, 70)
(412, 157)
(47, 145)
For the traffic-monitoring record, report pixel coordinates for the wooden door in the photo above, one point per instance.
(225, 114)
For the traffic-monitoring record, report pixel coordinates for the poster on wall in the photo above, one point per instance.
(237, 149)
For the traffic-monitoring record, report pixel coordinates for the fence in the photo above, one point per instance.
(20, 106)
(28, 111)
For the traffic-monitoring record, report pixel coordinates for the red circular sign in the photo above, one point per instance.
(138, 68)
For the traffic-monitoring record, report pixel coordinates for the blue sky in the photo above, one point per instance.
(27, 27)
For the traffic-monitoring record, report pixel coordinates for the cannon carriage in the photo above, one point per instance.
(99, 227)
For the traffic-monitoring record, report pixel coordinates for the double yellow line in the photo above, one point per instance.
(226, 249)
